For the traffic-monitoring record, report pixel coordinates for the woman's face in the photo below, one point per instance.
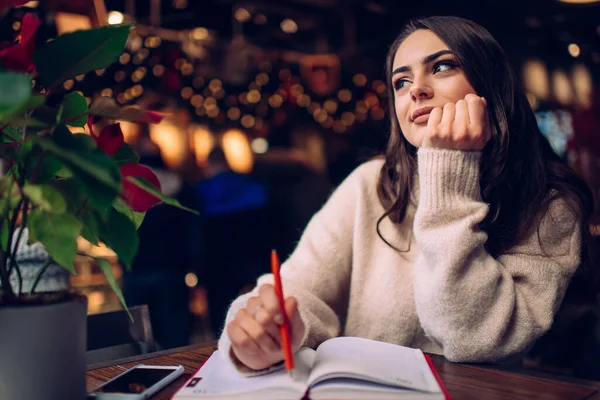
(425, 75)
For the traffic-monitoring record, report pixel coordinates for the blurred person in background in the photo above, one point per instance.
(238, 241)
(172, 243)
(461, 241)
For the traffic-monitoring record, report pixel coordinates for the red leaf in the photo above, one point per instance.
(12, 3)
(19, 57)
(110, 139)
(137, 198)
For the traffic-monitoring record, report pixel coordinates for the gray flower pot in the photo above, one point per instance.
(42, 350)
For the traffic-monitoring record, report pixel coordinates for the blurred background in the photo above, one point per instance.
(271, 104)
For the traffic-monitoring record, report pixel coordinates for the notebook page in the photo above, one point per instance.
(218, 378)
(385, 363)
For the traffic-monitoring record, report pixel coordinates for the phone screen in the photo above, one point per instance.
(136, 380)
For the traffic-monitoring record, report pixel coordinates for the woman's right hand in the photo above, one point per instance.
(254, 333)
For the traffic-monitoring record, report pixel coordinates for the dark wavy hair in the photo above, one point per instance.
(520, 173)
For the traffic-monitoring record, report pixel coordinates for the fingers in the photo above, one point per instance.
(257, 332)
(461, 121)
(297, 325)
(270, 302)
(446, 125)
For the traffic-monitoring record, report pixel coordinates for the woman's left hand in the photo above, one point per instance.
(460, 126)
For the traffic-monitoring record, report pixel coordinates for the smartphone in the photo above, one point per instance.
(137, 383)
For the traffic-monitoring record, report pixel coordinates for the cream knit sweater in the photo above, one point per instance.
(446, 295)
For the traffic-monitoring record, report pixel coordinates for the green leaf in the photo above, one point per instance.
(10, 135)
(23, 121)
(15, 93)
(106, 268)
(120, 234)
(136, 217)
(4, 237)
(49, 170)
(75, 110)
(10, 195)
(73, 141)
(58, 234)
(148, 187)
(78, 53)
(125, 155)
(94, 164)
(47, 197)
(90, 226)
(35, 101)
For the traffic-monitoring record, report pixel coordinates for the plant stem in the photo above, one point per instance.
(39, 274)
(6, 287)
(11, 231)
(13, 258)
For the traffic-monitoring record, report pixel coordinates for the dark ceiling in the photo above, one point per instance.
(359, 29)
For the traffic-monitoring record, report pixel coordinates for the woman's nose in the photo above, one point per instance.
(420, 90)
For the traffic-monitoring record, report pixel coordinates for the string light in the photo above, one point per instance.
(68, 85)
(574, 50)
(247, 121)
(275, 101)
(198, 82)
(158, 70)
(234, 113)
(197, 100)
(303, 100)
(253, 96)
(100, 72)
(213, 112)
(289, 26)
(119, 76)
(330, 106)
(344, 95)
(242, 15)
(259, 145)
(262, 79)
(359, 80)
(187, 92)
(115, 18)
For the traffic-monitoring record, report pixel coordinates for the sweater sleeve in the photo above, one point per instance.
(318, 271)
(475, 307)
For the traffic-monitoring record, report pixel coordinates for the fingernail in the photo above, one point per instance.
(278, 319)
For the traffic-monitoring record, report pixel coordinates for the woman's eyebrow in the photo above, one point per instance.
(425, 60)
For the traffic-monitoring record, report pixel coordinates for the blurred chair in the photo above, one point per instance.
(114, 335)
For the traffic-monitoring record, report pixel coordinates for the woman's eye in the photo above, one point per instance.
(399, 84)
(443, 66)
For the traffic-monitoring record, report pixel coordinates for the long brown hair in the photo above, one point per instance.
(520, 173)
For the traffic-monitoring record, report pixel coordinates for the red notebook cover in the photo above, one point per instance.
(437, 378)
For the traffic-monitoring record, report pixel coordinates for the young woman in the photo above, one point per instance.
(461, 242)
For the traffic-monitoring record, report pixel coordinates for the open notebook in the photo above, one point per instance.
(345, 367)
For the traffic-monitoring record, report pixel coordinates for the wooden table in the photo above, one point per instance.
(463, 381)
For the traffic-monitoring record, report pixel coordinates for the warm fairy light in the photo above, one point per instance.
(203, 142)
(107, 92)
(119, 76)
(377, 113)
(579, 1)
(234, 113)
(187, 69)
(237, 151)
(582, 83)
(303, 100)
(574, 50)
(68, 85)
(535, 79)
(219, 94)
(242, 98)
(152, 42)
(561, 87)
(260, 19)
(262, 79)
(172, 142)
(115, 18)
(247, 121)
(137, 90)
(296, 90)
(191, 280)
(200, 111)
(253, 96)
(320, 116)
(131, 131)
(379, 87)
(121, 98)
(285, 74)
(158, 70)
(312, 107)
(199, 34)
(179, 63)
(339, 127)
(259, 145)
(215, 85)
(198, 82)
(289, 26)
(371, 100)
(197, 100)
(330, 106)
(213, 112)
(242, 15)
(187, 92)
(359, 80)
(275, 101)
(328, 123)
(362, 107)
(100, 72)
(344, 95)
(348, 118)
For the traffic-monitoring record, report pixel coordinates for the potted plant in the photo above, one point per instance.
(60, 185)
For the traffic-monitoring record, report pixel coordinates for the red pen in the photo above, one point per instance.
(284, 329)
